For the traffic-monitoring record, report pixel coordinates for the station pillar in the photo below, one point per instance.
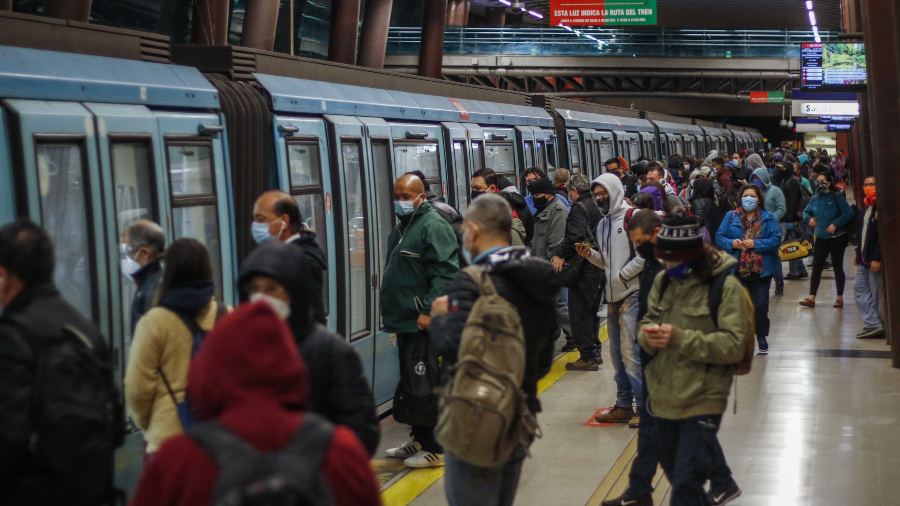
(260, 21)
(431, 50)
(495, 16)
(342, 35)
(373, 40)
(209, 25)
(457, 12)
(879, 21)
(70, 10)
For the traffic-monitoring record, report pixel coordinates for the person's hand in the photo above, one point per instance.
(558, 263)
(812, 222)
(737, 244)
(748, 244)
(582, 250)
(622, 280)
(876, 267)
(424, 321)
(658, 335)
(831, 228)
(441, 305)
(855, 261)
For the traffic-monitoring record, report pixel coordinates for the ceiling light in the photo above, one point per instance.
(818, 39)
(591, 37)
(812, 18)
(809, 5)
(536, 14)
(577, 32)
(569, 28)
(504, 2)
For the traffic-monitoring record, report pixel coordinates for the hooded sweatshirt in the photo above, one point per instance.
(657, 198)
(775, 203)
(338, 388)
(250, 378)
(616, 252)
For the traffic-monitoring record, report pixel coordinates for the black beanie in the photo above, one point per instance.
(680, 238)
(542, 185)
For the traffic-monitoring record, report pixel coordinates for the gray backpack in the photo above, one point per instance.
(483, 417)
(290, 477)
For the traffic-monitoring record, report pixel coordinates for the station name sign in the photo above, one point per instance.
(827, 109)
(602, 12)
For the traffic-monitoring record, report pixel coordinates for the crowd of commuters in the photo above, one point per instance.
(227, 399)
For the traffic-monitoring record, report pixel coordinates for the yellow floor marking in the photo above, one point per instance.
(417, 481)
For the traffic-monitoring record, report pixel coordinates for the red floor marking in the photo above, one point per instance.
(592, 422)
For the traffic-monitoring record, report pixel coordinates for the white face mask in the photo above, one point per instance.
(129, 265)
(281, 308)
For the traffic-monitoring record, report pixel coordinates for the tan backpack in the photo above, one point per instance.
(482, 416)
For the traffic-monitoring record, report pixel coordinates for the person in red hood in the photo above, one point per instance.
(250, 378)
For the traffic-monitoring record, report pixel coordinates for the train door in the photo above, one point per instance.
(552, 151)
(595, 150)
(679, 144)
(301, 152)
(458, 151)
(648, 146)
(540, 149)
(574, 151)
(7, 195)
(634, 147)
(584, 142)
(58, 186)
(621, 143)
(135, 188)
(607, 150)
(525, 146)
(356, 236)
(500, 153)
(420, 147)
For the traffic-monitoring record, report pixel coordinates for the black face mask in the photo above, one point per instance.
(476, 194)
(647, 250)
(603, 204)
(540, 202)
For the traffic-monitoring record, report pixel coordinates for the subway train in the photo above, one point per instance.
(90, 143)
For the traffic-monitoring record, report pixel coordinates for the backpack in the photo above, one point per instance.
(184, 409)
(714, 299)
(483, 417)
(724, 200)
(78, 418)
(289, 477)
(805, 197)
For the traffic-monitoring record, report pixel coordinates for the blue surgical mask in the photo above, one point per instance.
(758, 182)
(682, 270)
(404, 207)
(260, 231)
(749, 203)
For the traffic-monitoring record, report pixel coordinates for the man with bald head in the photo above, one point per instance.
(421, 262)
(141, 249)
(276, 215)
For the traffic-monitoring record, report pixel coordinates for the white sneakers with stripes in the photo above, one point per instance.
(407, 449)
(413, 456)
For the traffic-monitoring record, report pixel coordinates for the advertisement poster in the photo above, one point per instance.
(602, 12)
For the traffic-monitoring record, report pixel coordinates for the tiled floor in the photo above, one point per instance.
(810, 429)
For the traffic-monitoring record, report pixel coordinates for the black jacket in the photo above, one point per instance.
(703, 206)
(652, 267)
(582, 218)
(529, 283)
(22, 481)
(147, 280)
(790, 186)
(869, 249)
(629, 184)
(339, 390)
(317, 263)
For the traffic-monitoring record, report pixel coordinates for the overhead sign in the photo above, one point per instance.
(767, 97)
(826, 108)
(839, 126)
(602, 12)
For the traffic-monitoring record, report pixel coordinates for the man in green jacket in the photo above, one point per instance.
(421, 262)
(694, 357)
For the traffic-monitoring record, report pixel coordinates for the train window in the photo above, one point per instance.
(194, 212)
(64, 215)
(606, 152)
(500, 157)
(133, 180)
(477, 156)
(529, 154)
(573, 151)
(462, 179)
(384, 194)
(423, 157)
(303, 158)
(597, 160)
(357, 251)
(541, 155)
(551, 156)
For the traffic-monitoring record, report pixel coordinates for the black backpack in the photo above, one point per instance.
(78, 418)
(289, 477)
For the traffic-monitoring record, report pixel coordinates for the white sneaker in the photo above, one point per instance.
(602, 312)
(407, 449)
(425, 459)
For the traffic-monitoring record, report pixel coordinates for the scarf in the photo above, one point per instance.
(751, 262)
(869, 202)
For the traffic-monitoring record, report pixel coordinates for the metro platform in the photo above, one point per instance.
(816, 422)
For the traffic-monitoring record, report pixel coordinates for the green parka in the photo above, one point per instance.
(422, 260)
(692, 376)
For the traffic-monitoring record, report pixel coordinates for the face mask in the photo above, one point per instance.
(748, 203)
(759, 184)
(129, 266)
(603, 204)
(260, 231)
(870, 192)
(541, 202)
(687, 166)
(682, 270)
(404, 207)
(476, 194)
(823, 187)
(646, 250)
(281, 308)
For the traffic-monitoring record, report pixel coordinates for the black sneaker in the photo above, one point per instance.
(763, 345)
(568, 347)
(804, 275)
(792, 277)
(726, 495)
(626, 499)
(779, 288)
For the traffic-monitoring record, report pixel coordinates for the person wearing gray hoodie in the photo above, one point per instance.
(615, 253)
(776, 205)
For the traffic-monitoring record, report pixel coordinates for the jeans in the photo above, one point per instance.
(689, 452)
(622, 326)
(584, 322)
(468, 485)
(836, 247)
(759, 295)
(869, 292)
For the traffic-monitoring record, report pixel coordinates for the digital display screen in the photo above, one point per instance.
(838, 127)
(839, 66)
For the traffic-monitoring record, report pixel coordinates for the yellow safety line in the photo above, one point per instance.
(417, 481)
(616, 481)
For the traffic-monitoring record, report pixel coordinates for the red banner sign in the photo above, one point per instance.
(602, 12)
(759, 97)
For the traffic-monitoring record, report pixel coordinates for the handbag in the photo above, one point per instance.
(794, 246)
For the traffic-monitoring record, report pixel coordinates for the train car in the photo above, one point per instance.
(716, 137)
(757, 140)
(678, 135)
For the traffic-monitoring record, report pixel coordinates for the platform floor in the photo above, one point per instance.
(816, 423)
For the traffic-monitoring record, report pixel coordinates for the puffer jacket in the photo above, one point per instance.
(161, 342)
(422, 259)
(767, 244)
(615, 251)
(692, 376)
(775, 203)
(338, 388)
(529, 283)
(829, 209)
(549, 229)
